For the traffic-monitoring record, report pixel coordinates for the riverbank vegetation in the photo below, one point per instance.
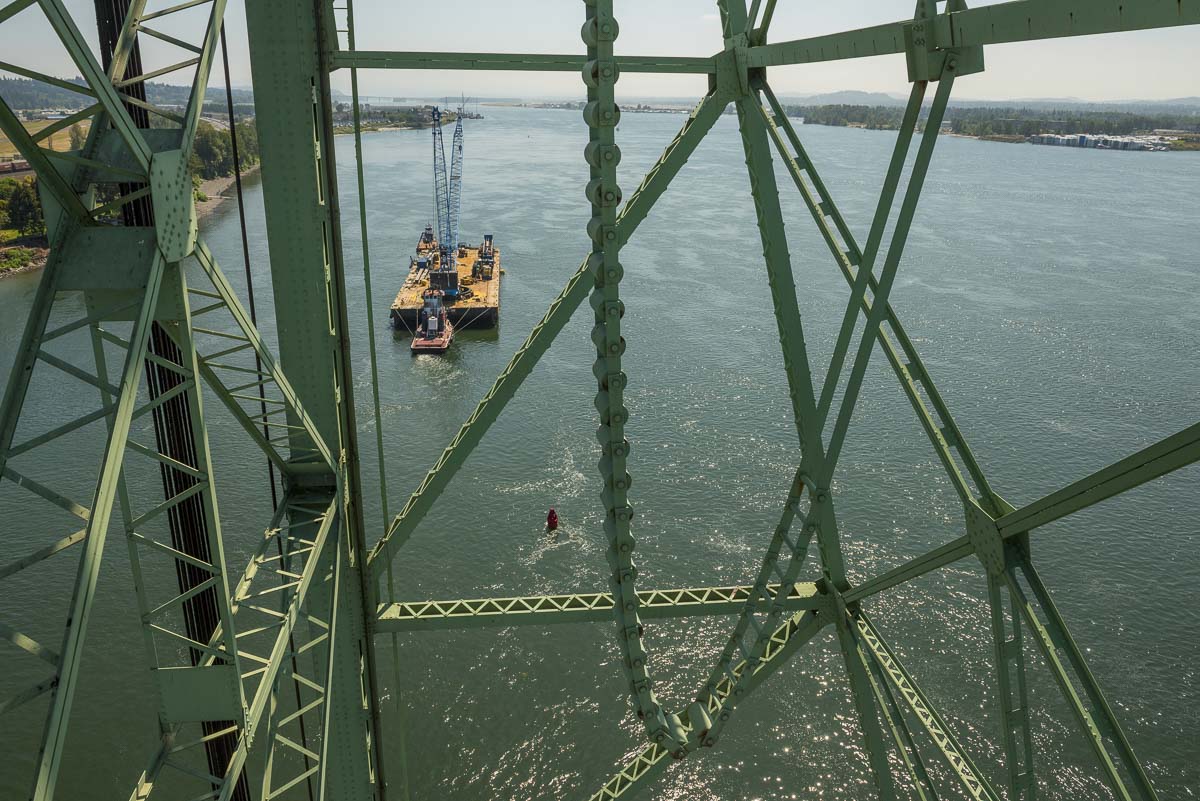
(212, 156)
(22, 232)
(377, 118)
(1010, 124)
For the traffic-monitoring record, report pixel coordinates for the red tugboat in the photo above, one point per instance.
(434, 331)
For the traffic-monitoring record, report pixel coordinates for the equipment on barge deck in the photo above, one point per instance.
(435, 333)
(485, 262)
(467, 276)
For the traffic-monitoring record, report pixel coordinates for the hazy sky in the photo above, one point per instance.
(1146, 64)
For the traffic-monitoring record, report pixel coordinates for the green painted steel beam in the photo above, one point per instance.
(48, 174)
(290, 70)
(1012, 693)
(866, 705)
(535, 62)
(906, 745)
(1020, 21)
(1165, 456)
(906, 362)
(97, 80)
(540, 338)
(1053, 634)
(962, 767)
(648, 763)
(1084, 717)
(57, 721)
(575, 608)
(269, 369)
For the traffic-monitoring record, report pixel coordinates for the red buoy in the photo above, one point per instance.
(552, 520)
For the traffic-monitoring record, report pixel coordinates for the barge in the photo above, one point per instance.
(471, 291)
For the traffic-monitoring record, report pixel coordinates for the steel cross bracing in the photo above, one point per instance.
(224, 684)
(285, 666)
(939, 47)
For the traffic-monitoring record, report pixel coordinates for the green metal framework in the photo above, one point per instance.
(286, 670)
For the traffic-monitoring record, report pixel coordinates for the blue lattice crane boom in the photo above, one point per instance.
(456, 173)
(441, 189)
(447, 188)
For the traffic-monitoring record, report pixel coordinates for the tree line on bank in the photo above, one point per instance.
(20, 207)
(212, 155)
(373, 118)
(989, 121)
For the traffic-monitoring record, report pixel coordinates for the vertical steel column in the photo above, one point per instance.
(175, 430)
(289, 41)
(600, 75)
(1012, 693)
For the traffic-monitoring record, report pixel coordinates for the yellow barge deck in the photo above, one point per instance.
(480, 309)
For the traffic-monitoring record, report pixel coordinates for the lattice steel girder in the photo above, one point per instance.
(269, 369)
(656, 181)
(54, 738)
(1019, 21)
(653, 759)
(290, 71)
(189, 688)
(575, 608)
(97, 80)
(893, 714)
(906, 363)
(1012, 691)
(536, 62)
(957, 759)
(312, 538)
(52, 179)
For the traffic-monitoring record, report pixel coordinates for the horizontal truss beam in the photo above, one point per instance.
(1019, 21)
(1164, 456)
(653, 758)
(526, 62)
(576, 608)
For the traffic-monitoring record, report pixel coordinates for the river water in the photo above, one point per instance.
(1052, 294)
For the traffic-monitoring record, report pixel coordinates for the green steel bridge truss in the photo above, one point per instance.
(278, 661)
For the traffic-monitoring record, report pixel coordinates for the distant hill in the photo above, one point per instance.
(850, 97)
